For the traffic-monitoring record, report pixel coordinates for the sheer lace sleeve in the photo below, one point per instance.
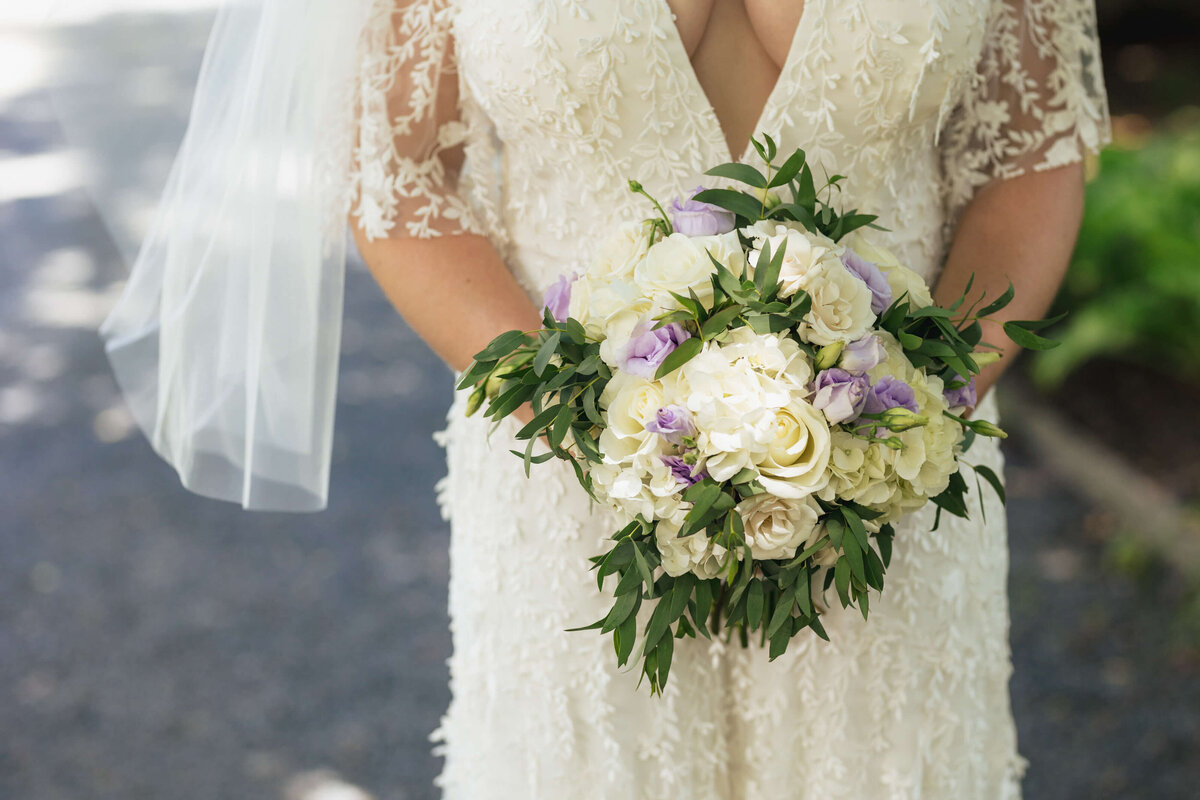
(408, 149)
(1036, 100)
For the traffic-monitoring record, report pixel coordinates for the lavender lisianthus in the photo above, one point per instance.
(694, 218)
(890, 392)
(648, 347)
(557, 299)
(868, 273)
(964, 396)
(672, 423)
(687, 474)
(863, 355)
(840, 394)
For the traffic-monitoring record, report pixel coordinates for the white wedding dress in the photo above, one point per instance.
(558, 104)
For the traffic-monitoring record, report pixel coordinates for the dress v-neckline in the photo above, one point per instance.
(683, 63)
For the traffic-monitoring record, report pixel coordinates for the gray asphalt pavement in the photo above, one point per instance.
(155, 644)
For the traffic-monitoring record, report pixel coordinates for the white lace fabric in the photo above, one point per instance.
(559, 102)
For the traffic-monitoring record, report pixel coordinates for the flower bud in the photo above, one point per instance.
(901, 419)
(494, 385)
(828, 355)
(768, 198)
(985, 428)
(986, 357)
(476, 399)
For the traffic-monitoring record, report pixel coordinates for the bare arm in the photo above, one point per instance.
(1022, 230)
(454, 291)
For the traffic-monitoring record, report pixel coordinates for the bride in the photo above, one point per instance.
(481, 149)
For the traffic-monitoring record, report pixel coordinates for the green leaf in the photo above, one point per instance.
(665, 649)
(739, 172)
(738, 202)
(623, 639)
(802, 591)
(991, 477)
(909, 341)
(1028, 339)
(719, 321)
(754, 604)
(841, 578)
(854, 555)
(545, 352)
(779, 643)
(539, 421)
(643, 568)
(562, 423)
(788, 169)
(852, 222)
(999, 303)
(474, 372)
(657, 626)
(783, 611)
(621, 610)
(502, 345)
(679, 356)
(806, 191)
(854, 523)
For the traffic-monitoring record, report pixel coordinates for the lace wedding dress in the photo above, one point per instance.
(556, 104)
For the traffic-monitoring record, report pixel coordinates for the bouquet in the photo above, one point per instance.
(759, 392)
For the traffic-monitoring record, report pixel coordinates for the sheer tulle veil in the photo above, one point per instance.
(225, 339)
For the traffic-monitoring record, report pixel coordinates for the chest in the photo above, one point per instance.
(590, 71)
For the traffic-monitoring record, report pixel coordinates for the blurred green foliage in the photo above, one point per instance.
(1133, 290)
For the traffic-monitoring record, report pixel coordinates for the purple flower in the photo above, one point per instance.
(672, 423)
(840, 394)
(693, 218)
(863, 355)
(557, 298)
(962, 397)
(868, 273)
(649, 346)
(890, 392)
(687, 474)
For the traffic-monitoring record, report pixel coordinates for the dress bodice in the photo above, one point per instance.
(561, 102)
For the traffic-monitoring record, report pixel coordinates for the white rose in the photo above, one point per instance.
(630, 402)
(776, 527)
(675, 264)
(900, 278)
(620, 252)
(841, 305)
(797, 452)
(804, 251)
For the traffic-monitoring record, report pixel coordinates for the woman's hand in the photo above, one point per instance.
(1021, 230)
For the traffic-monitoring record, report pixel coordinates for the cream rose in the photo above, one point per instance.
(841, 305)
(621, 252)
(630, 402)
(775, 527)
(797, 452)
(675, 264)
